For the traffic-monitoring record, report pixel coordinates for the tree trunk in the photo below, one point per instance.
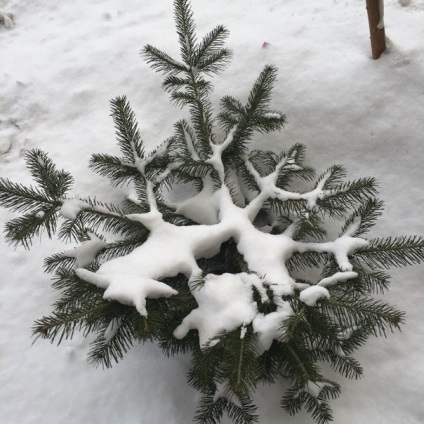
(375, 10)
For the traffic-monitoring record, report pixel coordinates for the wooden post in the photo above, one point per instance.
(375, 10)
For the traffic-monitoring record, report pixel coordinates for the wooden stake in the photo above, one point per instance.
(375, 10)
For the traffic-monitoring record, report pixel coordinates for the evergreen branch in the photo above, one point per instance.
(300, 395)
(264, 162)
(104, 352)
(337, 199)
(62, 325)
(23, 199)
(269, 122)
(375, 282)
(201, 117)
(206, 364)
(54, 183)
(254, 115)
(344, 365)
(186, 27)
(307, 227)
(398, 251)
(358, 337)
(246, 177)
(174, 83)
(332, 178)
(239, 361)
(183, 98)
(161, 62)
(74, 291)
(286, 176)
(115, 169)
(352, 310)
(299, 365)
(368, 214)
(210, 411)
(211, 43)
(96, 215)
(216, 62)
(120, 326)
(183, 145)
(306, 260)
(23, 229)
(196, 169)
(126, 129)
(73, 230)
(260, 95)
(269, 365)
(58, 261)
(231, 112)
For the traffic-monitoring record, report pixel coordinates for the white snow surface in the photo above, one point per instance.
(62, 62)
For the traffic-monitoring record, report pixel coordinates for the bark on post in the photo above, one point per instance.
(375, 10)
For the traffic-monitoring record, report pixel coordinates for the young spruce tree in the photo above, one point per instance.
(215, 274)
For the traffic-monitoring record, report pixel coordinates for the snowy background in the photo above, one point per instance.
(61, 64)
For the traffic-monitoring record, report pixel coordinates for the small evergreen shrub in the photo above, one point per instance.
(226, 272)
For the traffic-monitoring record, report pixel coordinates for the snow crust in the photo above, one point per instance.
(368, 123)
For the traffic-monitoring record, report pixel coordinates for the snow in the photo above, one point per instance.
(225, 303)
(314, 388)
(267, 327)
(59, 69)
(341, 248)
(40, 214)
(87, 251)
(72, 207)
(312, 294)
(337, 277)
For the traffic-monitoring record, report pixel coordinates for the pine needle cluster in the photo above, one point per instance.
(230, 366)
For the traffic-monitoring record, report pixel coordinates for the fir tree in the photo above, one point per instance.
(216, 274)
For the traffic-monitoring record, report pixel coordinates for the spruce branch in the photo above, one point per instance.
(161, 62)
(53, 182)
(354, 310)
(397, 251)
(368, 214)
(62, 325)
(215, 63)
(23, 229)
(313, 396)
(186, 28)
(24, 199)
(211, 51)
(119, 172)
(126, 129)
(255, 114)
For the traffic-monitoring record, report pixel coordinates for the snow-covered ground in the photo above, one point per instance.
(60, 65)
